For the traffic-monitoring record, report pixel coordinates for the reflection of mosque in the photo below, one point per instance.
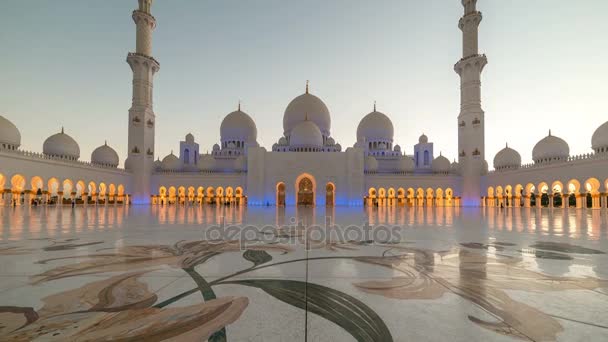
(306, 165)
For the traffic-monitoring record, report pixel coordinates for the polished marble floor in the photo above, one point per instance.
(303, 274)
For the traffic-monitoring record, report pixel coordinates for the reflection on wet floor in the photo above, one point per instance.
(18, 223)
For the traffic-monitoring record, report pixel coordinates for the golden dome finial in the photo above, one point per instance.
(307, 84)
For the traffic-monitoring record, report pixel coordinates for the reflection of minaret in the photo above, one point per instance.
(471, 119)
(141, 114)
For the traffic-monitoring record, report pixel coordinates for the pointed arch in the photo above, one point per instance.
(103, 189)
(330, 194)
(518, 190)
(372, 193)
(18, 183)
(592, 186)
(191, 193)
(382, 193)
(280, 193)
(574, 187)
(210, 192)
(37, 183)
(53, 186)
(229, 192)
(557, 187)
(68, 188)
(80, 188)
(530, 189)
(172, 194)
(305, 189)
(92, 188)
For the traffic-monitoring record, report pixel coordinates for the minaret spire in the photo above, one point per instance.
(471, 120)
(145, 6)
(141, 115)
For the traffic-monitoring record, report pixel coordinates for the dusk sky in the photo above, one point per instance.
(63, 64)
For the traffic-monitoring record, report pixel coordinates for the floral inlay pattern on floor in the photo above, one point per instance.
(122, 306)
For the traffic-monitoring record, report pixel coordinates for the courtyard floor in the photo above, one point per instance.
(303, 274)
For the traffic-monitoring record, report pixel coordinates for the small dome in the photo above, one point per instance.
(330, 142)
(441, 164)
(303, 106)
(599, 141)
(283, 141)
(306, 133)
(105, 155)
(405, 164)
(206, 162)
(189, 138)
(397, 148)
(171, 163)
(507, 158)
(371, 164)
(61, 145)
(128, 165)
(375, 126)
(9, 133)
(238, 125)
(338, 147)
(216, 147)
(423, 139)
(158, 164)
(550, 148)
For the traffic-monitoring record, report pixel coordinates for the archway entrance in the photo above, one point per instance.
(281, 194)
(329, 194)
(306, 193)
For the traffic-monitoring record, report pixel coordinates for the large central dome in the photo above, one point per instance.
(307, 105)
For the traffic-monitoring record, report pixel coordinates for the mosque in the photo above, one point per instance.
(306, 166)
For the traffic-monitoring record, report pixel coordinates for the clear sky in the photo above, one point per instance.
(63, 64)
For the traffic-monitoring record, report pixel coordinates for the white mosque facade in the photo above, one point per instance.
(305, 166)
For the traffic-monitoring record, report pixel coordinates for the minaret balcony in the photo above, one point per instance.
(148, 18)
(477, 61)
(473, 18)
(134, 58)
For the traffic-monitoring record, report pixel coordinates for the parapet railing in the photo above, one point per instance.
(569, 160)
(41, 156)
(187, 172)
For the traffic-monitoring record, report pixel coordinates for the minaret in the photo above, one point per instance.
(141, 114)
(471, 146)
